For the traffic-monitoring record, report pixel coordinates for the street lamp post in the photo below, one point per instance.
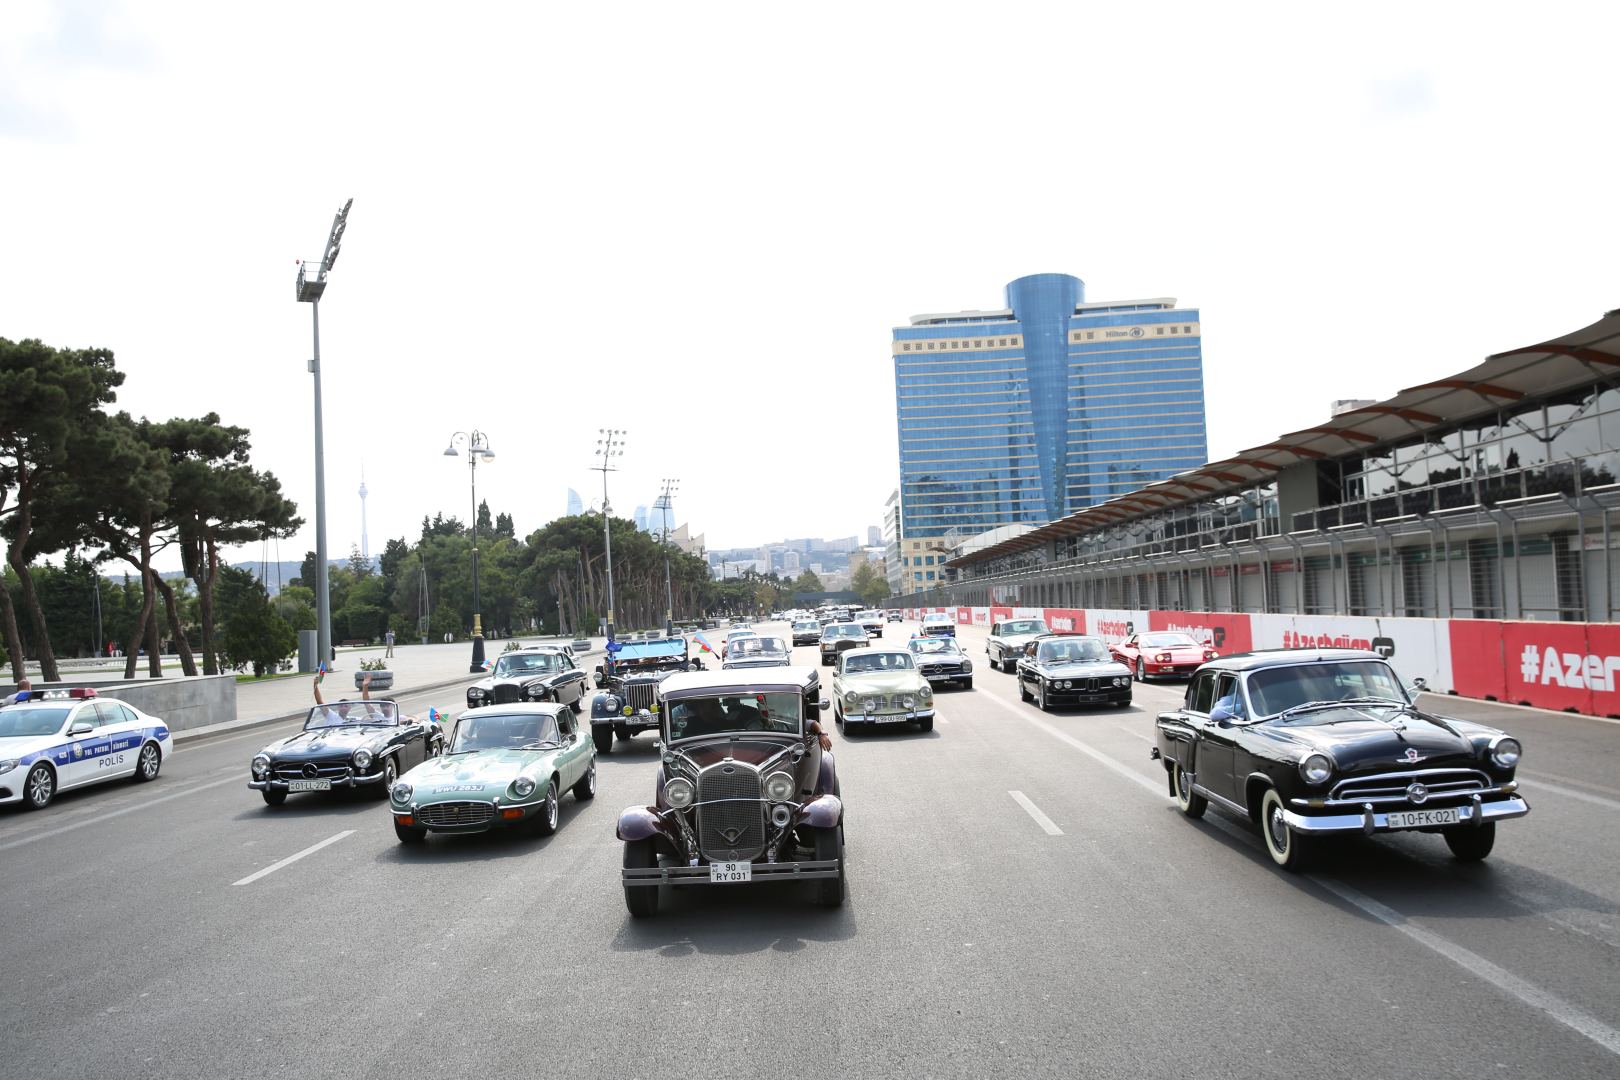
(310, 290)
(608, 447)
(663, 504)
(477, 444)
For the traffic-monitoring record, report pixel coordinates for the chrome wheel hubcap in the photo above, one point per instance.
(40, 789)
(149, 762)
(1279, 830)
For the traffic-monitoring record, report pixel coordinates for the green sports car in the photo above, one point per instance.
(507, 765)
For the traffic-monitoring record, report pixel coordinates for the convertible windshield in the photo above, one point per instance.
(1167, 641)
(758, 646)
(883, 661)
(19, 722)
(934, 645)
(849, 630)
(1073, 652)
(693, 717)
(512, 666)
(807, 625)
(516, 731)
(343, 713)
(1282, 688)
(1024, 626)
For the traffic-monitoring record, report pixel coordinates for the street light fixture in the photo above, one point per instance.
(663, 504)
(309, 291)
(477, 444)
(608, 447)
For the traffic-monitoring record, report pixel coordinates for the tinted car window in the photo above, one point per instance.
(1069, 652)
(1201, 694)
(1282, 688)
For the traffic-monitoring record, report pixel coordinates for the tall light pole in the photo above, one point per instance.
(477, 444)
(309, 292)
(663, 504)
(608, 447)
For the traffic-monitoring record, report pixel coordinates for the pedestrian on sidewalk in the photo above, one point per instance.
(388, 638)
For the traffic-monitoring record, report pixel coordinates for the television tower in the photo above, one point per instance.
(365, 545)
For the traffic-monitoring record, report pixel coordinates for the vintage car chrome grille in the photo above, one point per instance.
(456, 813)
(941, 669)
(1391, 787)
(639, 694)
(506, 694)
(730, 801)
(324, 770)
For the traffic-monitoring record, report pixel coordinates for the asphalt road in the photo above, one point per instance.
(1080, 927)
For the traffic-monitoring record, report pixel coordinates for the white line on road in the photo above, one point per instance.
(1596, 800)
(289, 860)
(1035, 812)
(1556, 1008)
(99, 818)
(1136, 734)
(1537, 998)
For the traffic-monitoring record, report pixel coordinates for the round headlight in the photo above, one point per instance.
(679, 793)
(967, 665)
(626, 710)
(362, 758)
(779, 787)
(852, 698)
(1316, 768)
(908, 702)
(261, 765)
(402, 792)
(610, 703)
(475, 691)
(1506, 752)
(523, 787)
(927, 691)
(535, 691)
(1066, 684)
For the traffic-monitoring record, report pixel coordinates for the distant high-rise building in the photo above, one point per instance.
(874, 536)
(640, 518)
(576, 505)
(365, 544)
(1049, 405)
(790, 562)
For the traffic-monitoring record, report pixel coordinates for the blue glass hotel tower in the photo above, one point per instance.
(1026, 414)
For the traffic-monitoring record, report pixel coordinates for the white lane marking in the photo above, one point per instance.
(1096, 755)
(1596, 800)
(1035, 812)
(97, 820)
(1137, 734)
(289, 860)
(1533, 996)
(1529, 994)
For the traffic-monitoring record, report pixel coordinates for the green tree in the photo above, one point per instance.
(869, 584)
(251, 632)
(808, 582)
(47, 395)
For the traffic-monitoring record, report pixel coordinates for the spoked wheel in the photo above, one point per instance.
(1471, 843)
(830, 845)
(147, 765)
(390, 774)
(641, 900)
(545, 822)
(1040, 696)
(585, 788)
(39, 788)
(1023, 691)
(1192, 804)
(1287, 848)
(1141, 670)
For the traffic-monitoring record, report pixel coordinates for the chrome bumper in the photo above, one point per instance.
(277, 784)
(1369, 821)
(699, 875)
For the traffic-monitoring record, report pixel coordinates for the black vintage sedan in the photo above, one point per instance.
(529, 675)
(1309, 743)
(840, 637)
(346, 744)
(1067, 669)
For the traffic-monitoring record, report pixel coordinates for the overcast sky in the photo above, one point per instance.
(699, 222)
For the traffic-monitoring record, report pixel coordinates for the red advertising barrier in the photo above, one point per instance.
(1546, 664)
(1066, 620)
(1000, 614)
(1225, 631)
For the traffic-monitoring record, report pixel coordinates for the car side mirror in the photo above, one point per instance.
(824, 705)
(658, 745)
(1420, 685)
(81, 728)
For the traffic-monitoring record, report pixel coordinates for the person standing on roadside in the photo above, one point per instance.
(388, 638)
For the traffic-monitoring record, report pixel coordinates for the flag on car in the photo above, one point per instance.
(433, 715)
(703, 643)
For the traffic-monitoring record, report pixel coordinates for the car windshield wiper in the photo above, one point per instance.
(547, 745)
(1308, 706)
(1341, 703)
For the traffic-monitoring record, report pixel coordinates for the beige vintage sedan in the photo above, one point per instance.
(880, 687)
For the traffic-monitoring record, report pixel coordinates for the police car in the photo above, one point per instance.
(53, 740)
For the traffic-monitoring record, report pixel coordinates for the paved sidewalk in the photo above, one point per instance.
(415, 668)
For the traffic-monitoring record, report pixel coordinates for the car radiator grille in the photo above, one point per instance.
(730, 803)
(639, 695)
(456, 813)
(506, 694)
(1391, 787)
(941, 669)
(324, 770)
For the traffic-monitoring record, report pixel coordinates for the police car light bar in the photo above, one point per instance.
(76, 692)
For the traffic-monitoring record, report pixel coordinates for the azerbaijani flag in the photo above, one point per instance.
(433, 715)
(320, 673)
(703, 642)
(488, 664)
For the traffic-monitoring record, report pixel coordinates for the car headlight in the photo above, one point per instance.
(535, 691)
(475, 691)
(261, 765)
(362, 759)
(1316, 768)
(1119, 681)
(402, 792)
(967, 665)
(852, 698)
(1066, 684)
(523, 787)
(779, 787)
(908, 702)
(610, 703)
(927, 691)
(1505, 752)
(679, 792)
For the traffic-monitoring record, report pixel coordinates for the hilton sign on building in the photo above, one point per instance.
(1022, 415)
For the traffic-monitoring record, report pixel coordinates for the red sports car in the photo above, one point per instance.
(1162, 652)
